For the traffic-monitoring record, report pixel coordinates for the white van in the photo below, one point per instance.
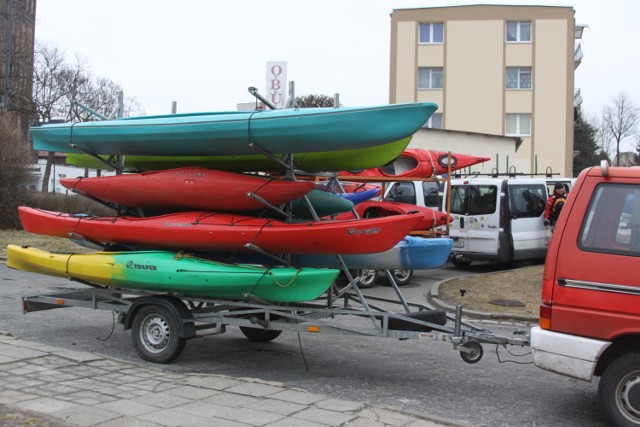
(494, 219)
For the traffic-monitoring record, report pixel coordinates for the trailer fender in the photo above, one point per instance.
(186, 323)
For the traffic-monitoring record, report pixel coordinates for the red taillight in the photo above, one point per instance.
(545, 316)
(503, 215)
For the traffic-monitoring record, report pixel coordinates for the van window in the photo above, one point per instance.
(403, 192)
(527, 200)
(474, 199)
(432, 198)
(612, 222)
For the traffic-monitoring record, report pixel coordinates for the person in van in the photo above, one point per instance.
(554, 205)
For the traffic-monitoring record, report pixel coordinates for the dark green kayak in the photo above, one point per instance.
(324, 203)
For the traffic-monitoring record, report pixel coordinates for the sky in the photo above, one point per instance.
(204, 54)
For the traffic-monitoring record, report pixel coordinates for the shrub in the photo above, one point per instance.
(54, 202)
(66, 203)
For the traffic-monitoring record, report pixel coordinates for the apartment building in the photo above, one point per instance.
(492, 69)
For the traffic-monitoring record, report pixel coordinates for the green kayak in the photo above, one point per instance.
(362, 158)
(162, 271)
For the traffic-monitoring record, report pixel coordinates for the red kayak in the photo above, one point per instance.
(189, 188)
(419, 163)
(373, 209)
(210, 231)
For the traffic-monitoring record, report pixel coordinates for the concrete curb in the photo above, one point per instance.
(434, 298)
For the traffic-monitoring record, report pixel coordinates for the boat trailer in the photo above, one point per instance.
(161, 323)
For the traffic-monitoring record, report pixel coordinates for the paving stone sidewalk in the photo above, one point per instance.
(49, 386)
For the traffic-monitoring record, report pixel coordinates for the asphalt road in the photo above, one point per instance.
(426, 377)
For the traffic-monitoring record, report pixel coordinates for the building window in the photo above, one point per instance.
(430, 78)
(518, 77)
(434, 122)
(518, 32)
(431, 33)
(518, 124)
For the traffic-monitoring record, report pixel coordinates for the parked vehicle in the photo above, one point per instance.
(590, 310)
(421, 193)
(494, 219)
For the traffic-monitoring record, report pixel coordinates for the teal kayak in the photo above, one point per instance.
(162, 271)
(305, 130)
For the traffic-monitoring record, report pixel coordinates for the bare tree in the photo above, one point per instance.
(619, 122)
(602, 136)
(59, 86)
(309, 101)
(47, 93)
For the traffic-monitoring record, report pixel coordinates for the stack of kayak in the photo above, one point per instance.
(176, 224)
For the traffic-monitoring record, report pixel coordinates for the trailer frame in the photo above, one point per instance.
(171, 319)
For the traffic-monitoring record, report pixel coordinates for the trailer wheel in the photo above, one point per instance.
(619, 391)
(154, 334)
(259, 335)
(476, 352)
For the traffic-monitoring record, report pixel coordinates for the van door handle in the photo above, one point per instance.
(461, 222)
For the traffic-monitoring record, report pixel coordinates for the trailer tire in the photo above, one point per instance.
(619, 390)
(475, 355)
(155, 334)
(259, 335)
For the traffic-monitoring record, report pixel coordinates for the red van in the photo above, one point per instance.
(590, 309)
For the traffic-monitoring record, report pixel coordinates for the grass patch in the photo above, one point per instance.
(51, 244)
(520, 284)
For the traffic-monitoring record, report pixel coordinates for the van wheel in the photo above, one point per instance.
(401, 277)
(619, 391)
(525, 263)
(461, 262)
(368, 278)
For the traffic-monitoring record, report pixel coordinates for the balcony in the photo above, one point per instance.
(577, 98)
(577, 56)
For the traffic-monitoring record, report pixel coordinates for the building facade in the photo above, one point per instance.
(17, 31)
(499, 148)
(492, 69)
